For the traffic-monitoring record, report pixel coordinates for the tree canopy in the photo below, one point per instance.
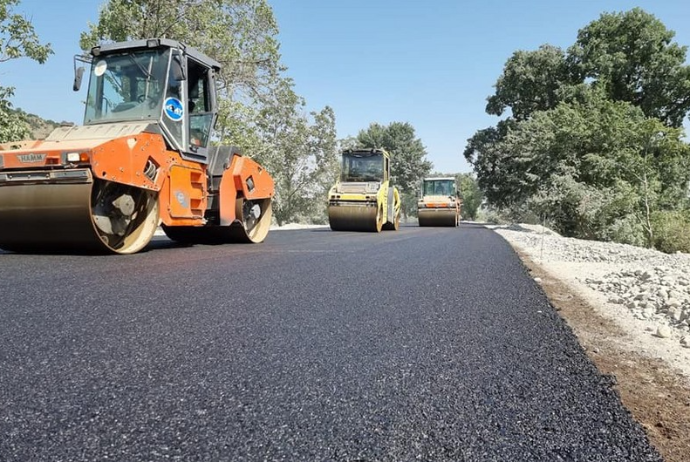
(632, 56)
(408, 154)
(471, 195)
(17, 39)
(530, 82)
(593, 138)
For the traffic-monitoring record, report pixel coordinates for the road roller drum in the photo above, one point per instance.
(355, 217)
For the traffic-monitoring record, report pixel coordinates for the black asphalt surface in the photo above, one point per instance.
(426, 344)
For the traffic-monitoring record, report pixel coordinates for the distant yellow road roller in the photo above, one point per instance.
(439, 204)
(363, 198)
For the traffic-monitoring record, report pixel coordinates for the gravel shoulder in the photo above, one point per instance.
(629, 308)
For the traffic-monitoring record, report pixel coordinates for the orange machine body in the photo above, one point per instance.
(144, 158)
(439, 203)
(182, 184)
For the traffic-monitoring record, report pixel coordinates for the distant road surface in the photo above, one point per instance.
(429, 344)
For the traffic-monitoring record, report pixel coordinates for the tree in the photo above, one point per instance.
(587, 166)
(471, 195)
(17, 39)
(300, 154)
(631, 55)
(497, 170)
(576, 146)
(530, 82)
(12, 126)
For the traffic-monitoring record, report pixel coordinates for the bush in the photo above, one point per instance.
(671, 231)
(626, 230)
(490, 215)
(573, 209)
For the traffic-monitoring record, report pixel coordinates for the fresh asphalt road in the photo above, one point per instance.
(423, 344)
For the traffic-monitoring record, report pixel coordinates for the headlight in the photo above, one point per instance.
(75, 157)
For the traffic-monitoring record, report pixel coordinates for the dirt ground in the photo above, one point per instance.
(656, 396)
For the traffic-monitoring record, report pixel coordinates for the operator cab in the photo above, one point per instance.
(156, 80)
(439, 187)
(364, 166)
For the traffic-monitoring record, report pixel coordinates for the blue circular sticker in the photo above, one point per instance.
(173, 109)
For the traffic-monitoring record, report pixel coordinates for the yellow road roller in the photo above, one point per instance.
(363, 198)
(439, 204)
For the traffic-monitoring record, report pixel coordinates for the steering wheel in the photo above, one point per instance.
(143, 98)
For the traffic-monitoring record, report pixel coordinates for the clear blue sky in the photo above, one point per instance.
(430, 63)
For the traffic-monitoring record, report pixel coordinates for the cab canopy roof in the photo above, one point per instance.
(153, 43)
(451, 178)
(365, 152)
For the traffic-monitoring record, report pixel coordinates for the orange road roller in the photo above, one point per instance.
(439, 204)
(143, 158)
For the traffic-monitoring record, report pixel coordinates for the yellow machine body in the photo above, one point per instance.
(363, 199)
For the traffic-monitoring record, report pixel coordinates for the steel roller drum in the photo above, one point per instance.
(43, 212)
(437, 217)
(252, 226)
(357, 217)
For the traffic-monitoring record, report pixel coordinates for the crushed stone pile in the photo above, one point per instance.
(651, 285)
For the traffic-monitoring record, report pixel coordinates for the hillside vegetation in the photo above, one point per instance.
(38, 127)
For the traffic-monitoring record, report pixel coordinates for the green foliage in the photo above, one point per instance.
(594, 146)
(300, 152)
(495, 170)
(408, 203)
(627, 230)
(598, 162)
(17, 39)
(471, 195)
(12, 126)
(572, 208)
(491, 216)
(530, 82)
(672, 231)
(408, 154)
(17, 36)
(631, 56)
